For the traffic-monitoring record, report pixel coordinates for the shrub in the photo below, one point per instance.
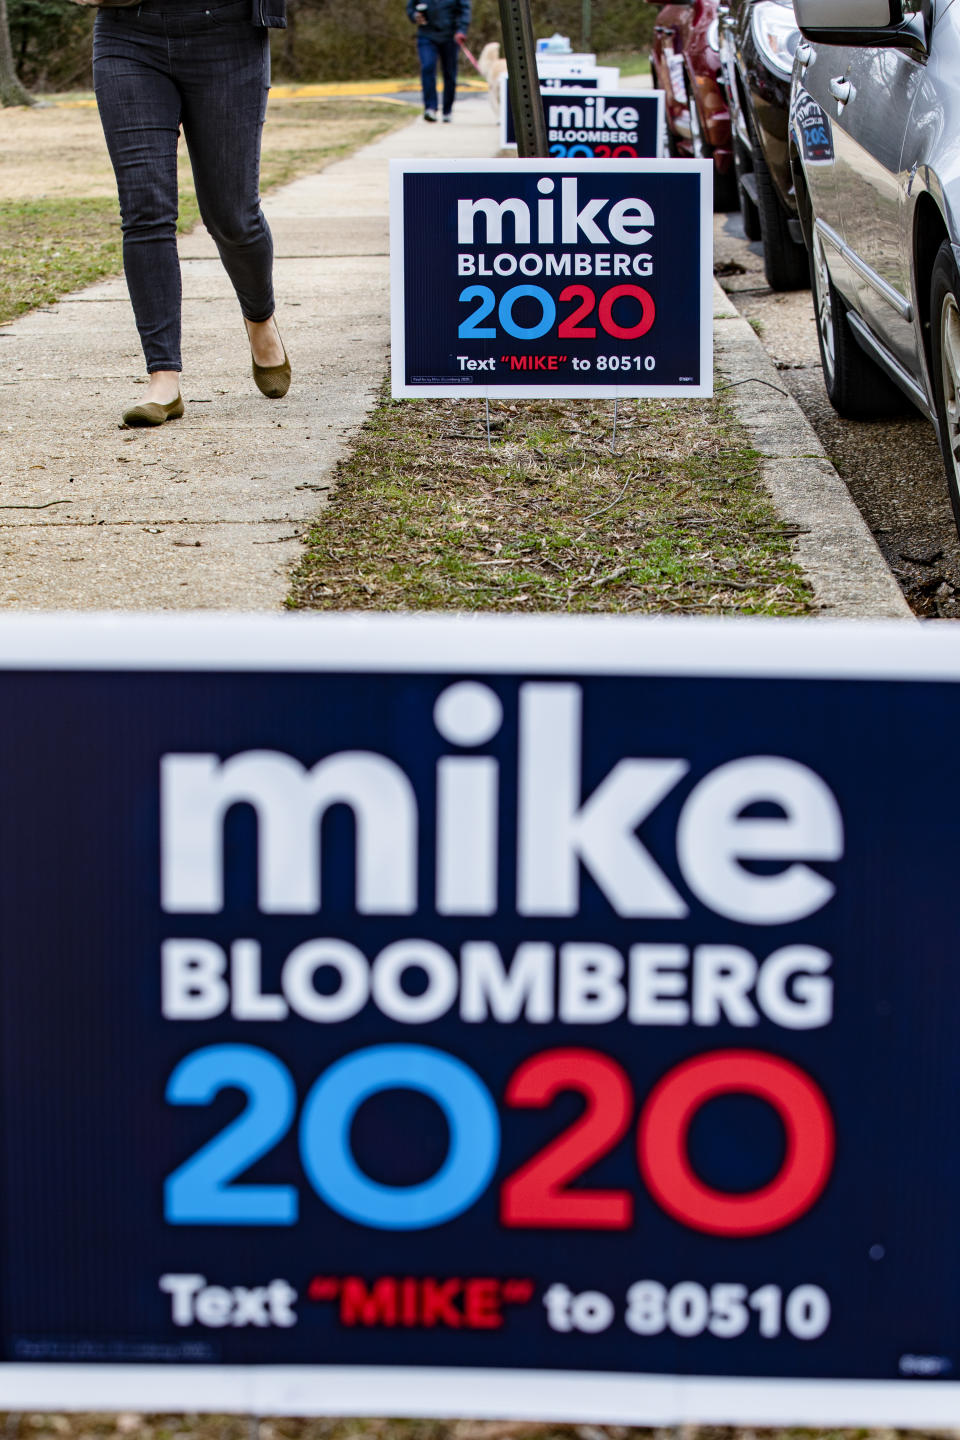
(51, 43)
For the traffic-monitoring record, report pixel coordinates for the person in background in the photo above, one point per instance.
(203, 65)
(441, 26)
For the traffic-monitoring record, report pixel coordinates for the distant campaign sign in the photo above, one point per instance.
(543, 1019)
(606, 124)
(594, 78)
(552, 277)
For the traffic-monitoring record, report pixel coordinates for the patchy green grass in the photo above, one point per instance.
(629, 62)
(50, 246)
(240, 1427)
(676, 521)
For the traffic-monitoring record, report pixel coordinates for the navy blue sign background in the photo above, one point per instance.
(489, 313)
(547, 85)
(88, 1138)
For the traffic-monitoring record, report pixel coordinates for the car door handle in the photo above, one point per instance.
(804, 55)
(841, 90)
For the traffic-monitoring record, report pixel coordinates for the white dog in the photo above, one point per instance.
(492, 68)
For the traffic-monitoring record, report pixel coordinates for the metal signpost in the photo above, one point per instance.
(518, 52)
(595, 77)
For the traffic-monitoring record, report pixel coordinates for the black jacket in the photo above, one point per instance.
(444, 17)
(270, 14)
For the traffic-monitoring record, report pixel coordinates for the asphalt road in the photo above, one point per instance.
(893, 469)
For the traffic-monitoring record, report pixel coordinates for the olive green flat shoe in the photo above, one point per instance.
(273, 380)
(153, 414)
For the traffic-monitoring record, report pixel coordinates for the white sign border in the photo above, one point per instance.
(545, 1395)
(400, 390)
(748, 648)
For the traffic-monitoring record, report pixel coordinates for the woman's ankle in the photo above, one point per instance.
(163, 387)
(266, 347)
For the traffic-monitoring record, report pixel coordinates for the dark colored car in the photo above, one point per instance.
(685, 61)
(758, 40)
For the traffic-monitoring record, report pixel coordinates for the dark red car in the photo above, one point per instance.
(685, 61)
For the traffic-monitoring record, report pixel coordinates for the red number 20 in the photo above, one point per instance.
(535, 1195)
(572, 327)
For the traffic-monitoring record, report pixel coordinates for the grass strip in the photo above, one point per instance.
(50, 247)
(238, 1427)
(676, 521)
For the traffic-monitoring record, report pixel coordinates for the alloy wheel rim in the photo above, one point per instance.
(950, 375)
(825, 319)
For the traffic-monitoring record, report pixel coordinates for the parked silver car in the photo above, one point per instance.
(875, 147)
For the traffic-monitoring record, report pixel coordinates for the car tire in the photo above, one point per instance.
(945, 354)
(749, 213)
(856, 387)
(785, 261)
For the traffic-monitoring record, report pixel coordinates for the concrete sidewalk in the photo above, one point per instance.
(204, 512)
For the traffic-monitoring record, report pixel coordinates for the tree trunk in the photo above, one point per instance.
(11, 91)
(290, 60)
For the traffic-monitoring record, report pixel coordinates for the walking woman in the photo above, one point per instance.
(203, 65)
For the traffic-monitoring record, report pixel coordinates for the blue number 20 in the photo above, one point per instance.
(200, 1192)
(468, 329)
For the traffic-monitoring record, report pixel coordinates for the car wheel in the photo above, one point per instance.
(856, 388)
(784, 261)
(945, 344)
(749, 213)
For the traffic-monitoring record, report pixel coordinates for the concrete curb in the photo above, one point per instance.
(837, 552)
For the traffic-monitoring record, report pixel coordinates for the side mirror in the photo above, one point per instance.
(848, 14)
(859, 22)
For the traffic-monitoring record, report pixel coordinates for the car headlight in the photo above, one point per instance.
(713, 36)
(776, 34)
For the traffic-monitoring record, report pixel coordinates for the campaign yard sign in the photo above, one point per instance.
(605, 124)
(501, 1017)
(551, 277)
(602, 77)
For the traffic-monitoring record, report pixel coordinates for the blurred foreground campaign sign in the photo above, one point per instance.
(548, 1019)
(547, 278)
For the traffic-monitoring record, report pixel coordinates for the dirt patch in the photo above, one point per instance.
(58, 151)
(892, 467)
(54, 153)
(59, 217)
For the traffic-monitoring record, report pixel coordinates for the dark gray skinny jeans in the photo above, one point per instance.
(158, 66)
